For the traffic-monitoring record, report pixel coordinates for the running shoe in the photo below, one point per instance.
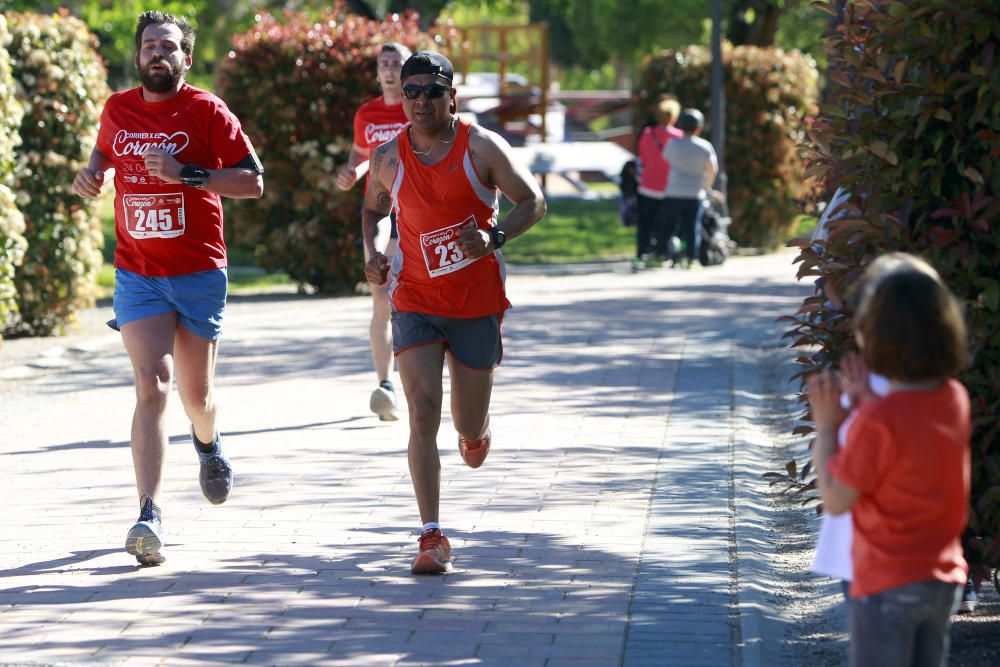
(383, 402)
(435, 554)
(969, 599)
(216, 475)
(474, 451)
(145, 538)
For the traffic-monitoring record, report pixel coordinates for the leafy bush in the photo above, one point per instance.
(769, 95)
(295, 86)
(12, 243)
(912, 129)
(54, 59)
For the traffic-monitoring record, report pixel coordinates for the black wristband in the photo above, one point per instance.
(194, 176)
(497, 236)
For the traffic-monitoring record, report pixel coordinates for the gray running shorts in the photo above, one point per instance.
(474, 342)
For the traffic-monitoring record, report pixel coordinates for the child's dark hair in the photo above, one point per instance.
(911, 325)
(149, 18)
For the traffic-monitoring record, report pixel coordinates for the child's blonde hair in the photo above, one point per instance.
(910, 323)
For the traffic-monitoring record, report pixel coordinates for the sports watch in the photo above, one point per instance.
(194, 176)
(497, 236)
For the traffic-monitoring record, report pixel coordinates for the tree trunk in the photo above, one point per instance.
(754, 22)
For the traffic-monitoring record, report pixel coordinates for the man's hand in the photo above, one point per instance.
(824, 399)
(347, 176)
(163, 165)
(377, 269)
(474, 242)
(88, 183)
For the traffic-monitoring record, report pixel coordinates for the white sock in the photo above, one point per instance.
(431, 525)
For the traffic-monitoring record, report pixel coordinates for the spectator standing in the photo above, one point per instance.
(905, 472)
(654, 174)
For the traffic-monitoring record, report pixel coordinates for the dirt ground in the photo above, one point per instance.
(817, 634)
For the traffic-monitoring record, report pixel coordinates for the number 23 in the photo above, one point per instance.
(456, 254)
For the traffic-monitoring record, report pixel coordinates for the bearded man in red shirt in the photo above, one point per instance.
(174, 151)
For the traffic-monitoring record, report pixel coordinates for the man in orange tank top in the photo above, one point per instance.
(441, 177)
(375, 122)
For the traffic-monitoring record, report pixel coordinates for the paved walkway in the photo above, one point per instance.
(601, 531)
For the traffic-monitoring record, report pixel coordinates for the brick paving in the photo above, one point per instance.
(599, 532)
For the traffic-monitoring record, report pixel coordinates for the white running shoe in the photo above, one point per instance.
(383, 402)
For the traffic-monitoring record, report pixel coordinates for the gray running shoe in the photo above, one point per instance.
(145, 538)
(216, 475)
(383, 402)
(970, 599)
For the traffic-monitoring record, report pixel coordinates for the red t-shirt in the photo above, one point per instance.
(167, 229)
(375, 123)
(430, 274)
(655, 172)
(908, 456)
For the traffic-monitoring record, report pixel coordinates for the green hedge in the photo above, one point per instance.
(769, 95)
(54, 58)
(12, 243)
(912, 129)
(295, 85)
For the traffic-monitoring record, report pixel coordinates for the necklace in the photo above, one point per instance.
(430, 150)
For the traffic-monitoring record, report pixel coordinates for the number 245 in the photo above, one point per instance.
(153, 220)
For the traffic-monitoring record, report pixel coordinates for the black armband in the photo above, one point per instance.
(251, 162)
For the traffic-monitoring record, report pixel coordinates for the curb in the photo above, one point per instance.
(763, 626)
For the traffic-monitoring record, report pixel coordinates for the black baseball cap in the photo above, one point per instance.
(427, 62)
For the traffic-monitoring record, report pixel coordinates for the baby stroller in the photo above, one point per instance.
(628, 183)
(716, 245)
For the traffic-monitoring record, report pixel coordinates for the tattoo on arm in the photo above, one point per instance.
(383, 201)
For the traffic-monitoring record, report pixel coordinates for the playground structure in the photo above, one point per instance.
(503, 81)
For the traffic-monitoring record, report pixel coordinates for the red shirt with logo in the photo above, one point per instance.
(375, 123)
(167, 229)
(430, 274)
(908, 456)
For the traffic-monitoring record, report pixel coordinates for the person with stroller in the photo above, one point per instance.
(693, 167)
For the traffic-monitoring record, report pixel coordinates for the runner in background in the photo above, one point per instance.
(375, 123)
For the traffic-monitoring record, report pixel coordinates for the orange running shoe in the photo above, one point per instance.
(435, 554)
(474, 451)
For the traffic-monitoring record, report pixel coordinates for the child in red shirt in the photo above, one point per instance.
(905, 472)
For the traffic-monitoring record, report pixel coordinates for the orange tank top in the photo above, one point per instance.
(430, 274)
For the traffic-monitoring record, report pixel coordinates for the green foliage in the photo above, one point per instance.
(295, 86)
(605, 30)
(114, 23)
(12, 242)
(769, 96)
(912, 129)
(55, 62)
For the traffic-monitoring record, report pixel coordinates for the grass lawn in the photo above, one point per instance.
(574, 231)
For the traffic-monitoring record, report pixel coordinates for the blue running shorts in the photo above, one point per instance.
(199, 299)
(474, 342)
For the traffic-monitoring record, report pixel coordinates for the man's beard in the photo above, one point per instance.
(160, 82)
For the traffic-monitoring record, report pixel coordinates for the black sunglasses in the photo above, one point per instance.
(432, 91)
